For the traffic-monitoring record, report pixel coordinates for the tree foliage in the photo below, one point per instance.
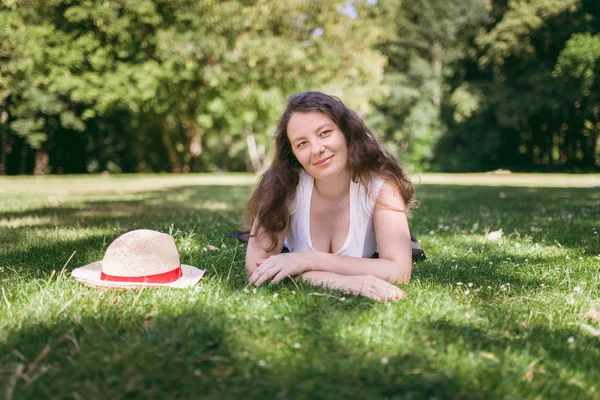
(182, 85)
(153, 85)
(530, 102)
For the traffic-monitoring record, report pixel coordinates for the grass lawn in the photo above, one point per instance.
(484, 319)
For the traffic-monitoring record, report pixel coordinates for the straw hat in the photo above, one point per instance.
(139, 258)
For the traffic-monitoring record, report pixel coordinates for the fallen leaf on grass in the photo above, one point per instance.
(489, 356)
(210, 247)
(591, 330)
(495, 236)
(148, 324)
(593, 314)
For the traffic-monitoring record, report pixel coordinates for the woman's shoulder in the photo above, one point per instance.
(368, 191)
(373, 184)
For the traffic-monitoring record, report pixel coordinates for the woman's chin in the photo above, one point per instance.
(328, 172)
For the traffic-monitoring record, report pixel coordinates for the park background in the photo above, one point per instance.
(196, 86)
(115, 102)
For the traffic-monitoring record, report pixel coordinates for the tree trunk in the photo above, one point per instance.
(253, 151)
(167, 139)
(590, 150)
(42, 161)
(3, 153)
(4, 143)
(194, 132)
(437, 54)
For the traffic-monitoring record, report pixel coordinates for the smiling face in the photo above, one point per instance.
(318, 144)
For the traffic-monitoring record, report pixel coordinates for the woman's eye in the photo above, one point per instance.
(325, 133)
(301, 144)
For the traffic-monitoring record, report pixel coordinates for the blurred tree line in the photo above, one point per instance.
(197, 85)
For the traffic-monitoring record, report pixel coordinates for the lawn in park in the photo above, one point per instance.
(489, 315)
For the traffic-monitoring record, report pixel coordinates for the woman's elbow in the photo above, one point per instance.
(402, 274)
(250, 265)
(403, 279)
(249, 270)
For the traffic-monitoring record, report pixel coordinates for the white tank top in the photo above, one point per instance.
(360, 241)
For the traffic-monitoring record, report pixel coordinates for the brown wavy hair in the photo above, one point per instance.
(269, 204)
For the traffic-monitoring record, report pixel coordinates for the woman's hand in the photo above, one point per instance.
(277, 268)
(373, 287)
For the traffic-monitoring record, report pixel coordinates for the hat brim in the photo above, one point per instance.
(90, 275)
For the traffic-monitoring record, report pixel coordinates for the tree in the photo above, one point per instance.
(525, 106)
(424, 41)
(176, 85)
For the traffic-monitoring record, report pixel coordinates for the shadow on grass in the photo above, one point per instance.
(549, 346)
(160, 206)
(567, 216)
(35, 247)
(199, 352)
(196, 354)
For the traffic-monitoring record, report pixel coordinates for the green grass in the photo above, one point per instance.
(519, 326)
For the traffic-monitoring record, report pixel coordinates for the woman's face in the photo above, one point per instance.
(318, 144)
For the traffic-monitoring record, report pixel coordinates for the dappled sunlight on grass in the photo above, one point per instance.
(510, 179)
(85, 185)
(505, 310)
(27, 221)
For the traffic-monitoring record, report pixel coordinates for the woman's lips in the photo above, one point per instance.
(323, 161)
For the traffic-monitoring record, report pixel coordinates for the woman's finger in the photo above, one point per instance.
(258, 272)
(387, 291)
(252, 278)
(266, 275)
(279, 277)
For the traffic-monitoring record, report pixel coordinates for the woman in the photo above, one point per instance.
(335, 197)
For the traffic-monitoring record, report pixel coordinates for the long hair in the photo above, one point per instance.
(269, 204)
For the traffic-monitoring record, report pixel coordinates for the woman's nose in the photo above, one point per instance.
(318, 148)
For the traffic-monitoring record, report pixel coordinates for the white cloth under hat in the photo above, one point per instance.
(140, 258)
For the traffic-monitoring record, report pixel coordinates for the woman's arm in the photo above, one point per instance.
(257, 243)
(394, 264)
(363, 285)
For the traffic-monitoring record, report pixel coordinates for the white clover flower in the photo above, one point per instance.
(571, 339)
(467, 291)
(262, 363)
(384, 360)
(459, 283)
